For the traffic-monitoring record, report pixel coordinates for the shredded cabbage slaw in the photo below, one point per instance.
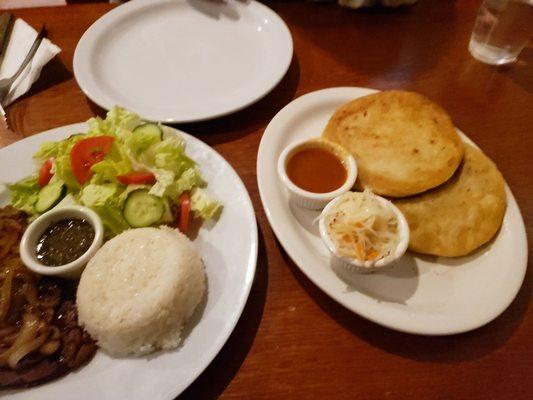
(361, 227)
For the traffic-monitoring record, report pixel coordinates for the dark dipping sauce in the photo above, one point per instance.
(64, 241)
(316, 170)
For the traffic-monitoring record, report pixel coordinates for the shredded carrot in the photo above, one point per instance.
(359, 252)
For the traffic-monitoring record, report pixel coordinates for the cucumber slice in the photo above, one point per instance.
(168, 216)
(49, 196)
(151, 130)
(143, 209)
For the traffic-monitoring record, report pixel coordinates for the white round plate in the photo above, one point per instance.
(183, 60)
(229, 251)
(423, 295)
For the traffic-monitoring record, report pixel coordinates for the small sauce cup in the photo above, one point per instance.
(30, 239)
(316, 200)
(366, 266)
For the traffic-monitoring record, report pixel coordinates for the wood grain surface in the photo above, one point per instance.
(293, 341)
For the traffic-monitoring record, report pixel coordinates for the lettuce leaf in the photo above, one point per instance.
(114, 222)
(168, 154)
(203, 206)
(164, 179)
(138, 142)
(167, 185)
(115, 163)
(107, 201)
(54, 149)
(190, 179)
(24, 194)
(62, 169)
(107, 170)
(47, 150)
(119, 122)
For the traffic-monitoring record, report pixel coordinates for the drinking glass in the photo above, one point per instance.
(502, 29)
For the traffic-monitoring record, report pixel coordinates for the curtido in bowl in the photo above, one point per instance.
(363, 231)
(315, 171)
(61, 241)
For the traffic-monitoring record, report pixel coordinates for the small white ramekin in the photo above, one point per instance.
(354, 264)
(310, 200)
(72, 270)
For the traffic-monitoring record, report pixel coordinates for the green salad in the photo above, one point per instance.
(128, 171)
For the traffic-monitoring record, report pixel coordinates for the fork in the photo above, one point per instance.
(5, 84)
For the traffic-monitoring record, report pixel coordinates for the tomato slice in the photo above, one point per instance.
(45, 172)
(137, 178)
(86, 153)
(185, 210)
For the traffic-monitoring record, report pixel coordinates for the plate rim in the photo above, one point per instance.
(92, 34)
(251, 266)
(275, 123)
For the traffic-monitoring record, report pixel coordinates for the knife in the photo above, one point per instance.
(6, 26)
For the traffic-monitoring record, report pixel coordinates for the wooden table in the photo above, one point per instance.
(293, 341)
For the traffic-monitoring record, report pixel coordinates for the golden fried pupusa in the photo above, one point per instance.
(403, 143)
(457, 217)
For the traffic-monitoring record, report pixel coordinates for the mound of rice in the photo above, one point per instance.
(137, 292)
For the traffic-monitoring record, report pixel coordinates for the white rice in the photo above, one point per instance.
(140, 288)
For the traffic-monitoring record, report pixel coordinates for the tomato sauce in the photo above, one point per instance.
(316, 170)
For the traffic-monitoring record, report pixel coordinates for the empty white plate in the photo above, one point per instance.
(183, 60)
(420, 294)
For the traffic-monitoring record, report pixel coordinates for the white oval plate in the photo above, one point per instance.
(183, 60)
(229, 251)
(423, 295)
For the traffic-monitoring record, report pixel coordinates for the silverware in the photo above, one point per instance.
(5, 84)
(6, 25)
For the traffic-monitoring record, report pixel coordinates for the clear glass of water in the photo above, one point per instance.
(502, 29)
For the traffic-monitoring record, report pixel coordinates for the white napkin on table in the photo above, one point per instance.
(7, 4)
(22, 37)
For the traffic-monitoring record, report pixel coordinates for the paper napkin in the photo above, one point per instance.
(7, 4)
(22, 37)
